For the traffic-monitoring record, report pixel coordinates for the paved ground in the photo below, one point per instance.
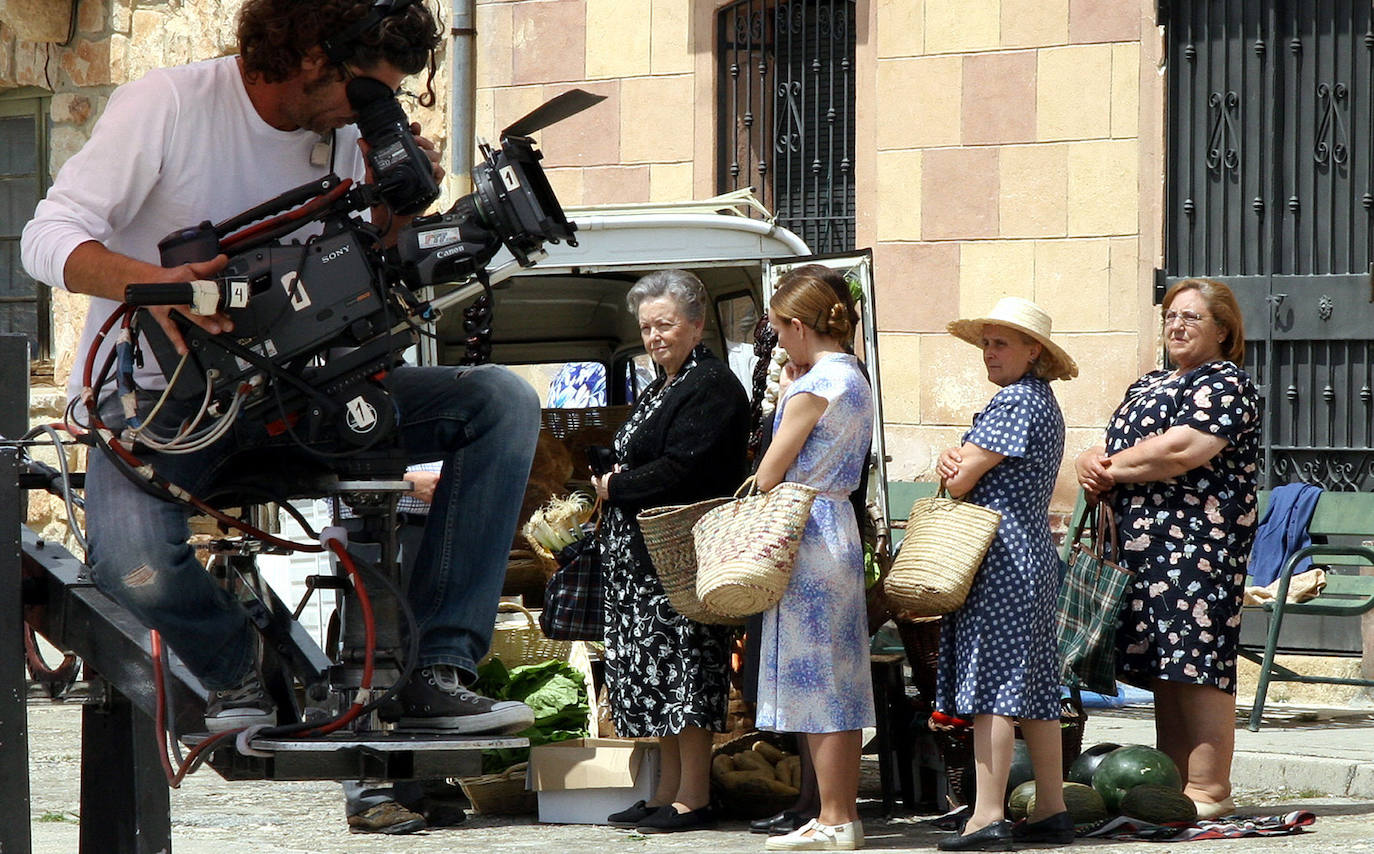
(211, 816)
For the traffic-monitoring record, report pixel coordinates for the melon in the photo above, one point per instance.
(1021, 801)
(1084, 804)
(1133, 765)
(1082, 768)
(1021, 767)
(1158, 804)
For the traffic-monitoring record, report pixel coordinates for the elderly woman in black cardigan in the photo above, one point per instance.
(666, 675)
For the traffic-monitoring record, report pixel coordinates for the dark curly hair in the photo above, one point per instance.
(276, 35)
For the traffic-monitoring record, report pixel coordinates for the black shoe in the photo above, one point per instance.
(992, 837)
(632, 816)
(668, 820)
(784, 822)
(1057, 829)
(435, 700)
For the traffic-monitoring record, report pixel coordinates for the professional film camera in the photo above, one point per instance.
(318, 321)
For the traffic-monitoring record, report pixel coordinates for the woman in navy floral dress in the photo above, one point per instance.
(1179, 466)
(999, 657)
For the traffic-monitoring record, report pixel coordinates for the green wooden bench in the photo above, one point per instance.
(901, 494)
(1339, 523)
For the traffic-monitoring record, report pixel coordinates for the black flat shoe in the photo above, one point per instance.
(992, 837)
(1057, 829)
(784, 822)
(633, 816)
(668, 820)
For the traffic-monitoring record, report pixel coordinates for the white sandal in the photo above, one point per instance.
(814, 836)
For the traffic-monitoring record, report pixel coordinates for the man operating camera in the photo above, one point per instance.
(206, 141)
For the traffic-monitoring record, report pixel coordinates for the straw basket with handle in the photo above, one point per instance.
(667, 534)
(522, 642)
(946, 540)
(746, 547)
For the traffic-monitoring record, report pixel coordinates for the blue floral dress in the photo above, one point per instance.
(813, 649)
(999, 654)
(1187, 538)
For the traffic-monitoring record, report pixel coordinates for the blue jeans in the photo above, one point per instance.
(481, 421)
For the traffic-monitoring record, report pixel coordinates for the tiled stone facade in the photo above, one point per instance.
(1003, 147)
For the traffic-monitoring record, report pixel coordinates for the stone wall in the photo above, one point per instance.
(1004, 147)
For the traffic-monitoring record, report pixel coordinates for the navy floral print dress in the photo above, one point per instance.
(999, 654)
(1187, 538)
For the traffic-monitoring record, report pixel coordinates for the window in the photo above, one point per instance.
(785, 119)
(23, 181)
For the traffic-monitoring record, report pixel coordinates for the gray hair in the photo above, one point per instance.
(685, 289)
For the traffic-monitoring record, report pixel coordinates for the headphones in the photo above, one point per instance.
(340, 48)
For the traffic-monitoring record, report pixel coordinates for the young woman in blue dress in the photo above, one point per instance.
(814, 674)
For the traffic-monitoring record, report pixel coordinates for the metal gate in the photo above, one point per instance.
(1270, 138)
(785, 119)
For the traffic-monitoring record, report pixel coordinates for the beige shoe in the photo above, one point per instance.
(389, 817)
(1213, 810)
(814, 836)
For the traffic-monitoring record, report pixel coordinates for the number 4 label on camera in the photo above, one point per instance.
(295, 291)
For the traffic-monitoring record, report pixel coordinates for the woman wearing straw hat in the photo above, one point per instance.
(999, 656)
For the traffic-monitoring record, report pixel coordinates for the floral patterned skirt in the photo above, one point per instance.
(664, 672)
(1181, 618)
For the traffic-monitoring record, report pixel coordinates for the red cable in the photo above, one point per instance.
(311, 207)
(370, 641)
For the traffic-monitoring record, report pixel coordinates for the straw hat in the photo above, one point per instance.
(1027, 317)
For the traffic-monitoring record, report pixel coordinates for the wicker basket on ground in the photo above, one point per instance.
(752, 801)
(956, 748)
(522, 641)
(502, 793)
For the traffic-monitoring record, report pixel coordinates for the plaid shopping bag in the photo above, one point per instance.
(574, 602)
(1090, 601)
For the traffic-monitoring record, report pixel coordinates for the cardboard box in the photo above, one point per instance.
(583, 780)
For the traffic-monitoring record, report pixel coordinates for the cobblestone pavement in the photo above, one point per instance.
(212, 816)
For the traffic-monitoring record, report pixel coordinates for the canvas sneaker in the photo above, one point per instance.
(242, 705)
(436, 700)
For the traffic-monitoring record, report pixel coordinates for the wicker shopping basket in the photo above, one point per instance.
(668, 536)
(946, 540)
(746, 547)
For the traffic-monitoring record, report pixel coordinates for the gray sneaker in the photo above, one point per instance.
(435, 700)
(241, 705)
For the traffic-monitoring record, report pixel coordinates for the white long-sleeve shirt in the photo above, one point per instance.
(177, 147)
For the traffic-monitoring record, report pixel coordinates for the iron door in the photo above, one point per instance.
(1270, 135)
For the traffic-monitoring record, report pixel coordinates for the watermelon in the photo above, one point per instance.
(1083, 802)
(1081, 771)
(1021, 801)
(1158, 804)
(1127, 767)
(1021, 767)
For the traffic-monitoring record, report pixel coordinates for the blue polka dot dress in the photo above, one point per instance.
(998, 653)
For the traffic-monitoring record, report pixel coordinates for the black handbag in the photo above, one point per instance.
(574, 599)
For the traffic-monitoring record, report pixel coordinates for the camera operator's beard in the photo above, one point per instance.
(321, 105)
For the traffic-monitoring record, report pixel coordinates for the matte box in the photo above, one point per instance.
(584, 780)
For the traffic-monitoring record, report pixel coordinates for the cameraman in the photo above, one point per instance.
(206, 141)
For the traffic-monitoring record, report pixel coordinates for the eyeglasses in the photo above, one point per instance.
(1189, 318)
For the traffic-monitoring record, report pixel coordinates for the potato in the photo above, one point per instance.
(720, 765)
(767, 751)
(754, 783)
(748, 759)
(789, 770)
